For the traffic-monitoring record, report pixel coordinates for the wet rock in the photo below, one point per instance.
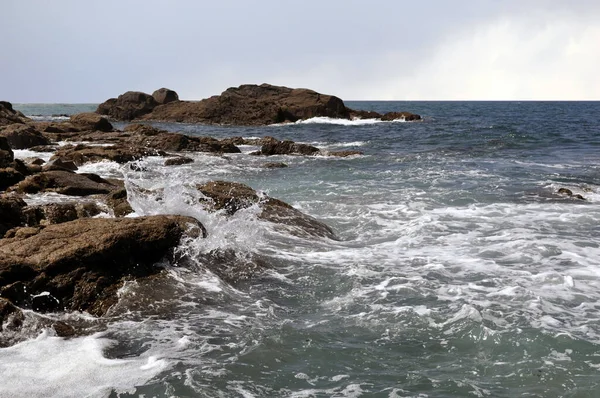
(274, 165)
(118, 203)
(56, 127)
(9, 116)
(358, 114)
(175, 142)
(6, 154)
(35, 161)
(57, 163)
(22, 136)
(66, 183)
(83, 263)
(44, 148)
(565, 191)
(91, 121)
(10, 318)
(81, 154)
(178, 161)
(288, 148)
(164, 96)
(406, 116)
(11, 212)
(343, 154)
(253, 105)
(230, 197)
(128, 106)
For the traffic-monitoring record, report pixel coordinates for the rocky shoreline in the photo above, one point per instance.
(74, 256)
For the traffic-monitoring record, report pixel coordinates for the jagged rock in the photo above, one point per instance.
(83, 263)
(253, 105)
(57, 163)
(66, 183)
(117, 201)
(178, 161)
(9, 177)
(343, 154)
(120, 153)
(128, 106)
(91, 121)
(231, 197)
(164, 96)
(406, 116)
(22, 136)
(288, 148)
(6, 154)
(11, 213)
(9, 116)
(10, 317)
(274, 165)
(35, 161)
(44, 148)
(56, 213)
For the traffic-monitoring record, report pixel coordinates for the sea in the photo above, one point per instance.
(458, 269)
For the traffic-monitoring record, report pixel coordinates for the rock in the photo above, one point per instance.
(57, 163)
(406, 116)
(56, 127)
(9, 116)
(128, 106)
(274, 165)
(83, 263)
(10, 317)
(343, 154)
(164, 96)
(35, 161)
(65, 183)
(44, 148)
(253, 105)
(11, 213)
(144, 129)
(231, 197)
(178, 161)
(9, 177)
(22, 136)
(578, 196)
(288, 148)
(565, 191)
(120, 153)
(91, 121)
(56, 213)
(178, 142)
(117, 201)
(358, 114)
(6, 154)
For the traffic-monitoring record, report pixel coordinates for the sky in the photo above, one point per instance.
(70, 51)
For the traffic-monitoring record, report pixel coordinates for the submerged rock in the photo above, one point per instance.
(81, 264)
(232, 197)
(178, 161)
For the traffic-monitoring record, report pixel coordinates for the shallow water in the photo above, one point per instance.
(458, 271)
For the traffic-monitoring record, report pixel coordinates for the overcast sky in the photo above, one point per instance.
(88, 51)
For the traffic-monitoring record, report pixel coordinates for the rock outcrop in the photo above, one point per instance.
(65, 183)
(128, 106)
(11, 213)
(230, 197)
(288, 148)
(91, 121)
(80, 265)
(9, 116)
(164, 96)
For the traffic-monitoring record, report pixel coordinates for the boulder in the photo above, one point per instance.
(10, 318)
(118, 203)
(56, 213)
(6, 154)
(178, 142)
(128, 106)
(288, 148)
(22, 136)
(9, 116)
(9, 177)
(164, 96)
(65, 183)
(178, 161)
(358, 114)
(406, 116)
(80, 265)
(274, 165)
(343, 154)
(91, 121)
(57, 163)
(253, 105)
(230, 197)
(11, 213)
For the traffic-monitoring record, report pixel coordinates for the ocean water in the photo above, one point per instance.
(458, 272)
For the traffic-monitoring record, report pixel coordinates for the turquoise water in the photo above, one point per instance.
(459, 271)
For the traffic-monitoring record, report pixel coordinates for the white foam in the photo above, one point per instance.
(54, 367)
(341, 122)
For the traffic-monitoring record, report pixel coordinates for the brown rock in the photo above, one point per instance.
(11, 213)
(91, 121)
(57, 163)
(357, 114)
(288, 148)
(56, 213)
(178, 161)
(231, 197)
(9, 177)
(10, 317)
(343, 154)
(117, 201)
(164, 96)
(66, 183)
(6, 154)
(275, 165)
(253, 105)
(82, 263)
(128, 106)
(9, 116)
(120, 153)
(22, 136)
(406, 116)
